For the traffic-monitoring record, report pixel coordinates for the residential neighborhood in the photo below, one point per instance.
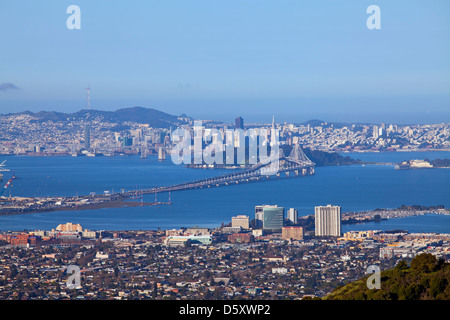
(143, 265)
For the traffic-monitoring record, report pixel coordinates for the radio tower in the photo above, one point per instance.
(88, 90)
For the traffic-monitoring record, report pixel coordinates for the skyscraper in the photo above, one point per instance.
(259, 216)
(273, 217)
(239, 123)
(87, 138)
(328, 220)
(269, 217)
(292, 215)
(376, 132)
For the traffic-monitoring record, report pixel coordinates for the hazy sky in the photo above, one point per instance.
(221, 59)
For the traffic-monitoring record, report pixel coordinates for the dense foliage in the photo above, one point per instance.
(427, 278)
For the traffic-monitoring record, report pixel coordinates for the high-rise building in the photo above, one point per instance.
(87, 138)
(294, 233)
(292, 215)
(69, 226)
(239, 123)
(259, 214)
(272, 218)
(240, 221)
(376, 132)
(328, 220)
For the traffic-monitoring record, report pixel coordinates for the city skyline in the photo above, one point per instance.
(230, 151)
(218, 60)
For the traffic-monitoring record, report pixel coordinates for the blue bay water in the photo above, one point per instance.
(354, 188)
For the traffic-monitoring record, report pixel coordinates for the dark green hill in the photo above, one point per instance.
(426, 279)
(153, 117)
(322, 158)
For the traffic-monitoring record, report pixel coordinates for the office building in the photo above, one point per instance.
(239, 123)
(240, 221)
(259, 214)
(292, 233)
(292, 215)
(328, 220)
(273, 217)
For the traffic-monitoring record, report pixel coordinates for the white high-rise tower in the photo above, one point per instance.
(328, 220)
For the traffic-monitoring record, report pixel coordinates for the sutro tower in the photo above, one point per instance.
(88, 90)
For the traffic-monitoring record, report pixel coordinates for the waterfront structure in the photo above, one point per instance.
(292, 233)
(292, 215)
(273, 217)
(359, 235)
(70, 227)
(328, 220)
(240, 221)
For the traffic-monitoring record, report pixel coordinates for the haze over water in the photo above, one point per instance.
(354, 188)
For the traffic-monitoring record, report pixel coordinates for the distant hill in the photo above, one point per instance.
(153, 117)
(322, 158)
(426, 279)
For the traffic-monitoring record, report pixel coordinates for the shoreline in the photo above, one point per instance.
(66, 154)
(94, 206)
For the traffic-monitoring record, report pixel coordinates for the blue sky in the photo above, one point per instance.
(220, 59)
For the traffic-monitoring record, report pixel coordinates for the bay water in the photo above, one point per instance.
(354, 188)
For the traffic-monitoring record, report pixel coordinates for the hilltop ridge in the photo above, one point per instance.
(153, 117)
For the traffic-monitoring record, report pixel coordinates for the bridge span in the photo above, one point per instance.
(295, 165)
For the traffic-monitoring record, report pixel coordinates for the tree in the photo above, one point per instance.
(437, 286)
(424, 263)
(402, 265)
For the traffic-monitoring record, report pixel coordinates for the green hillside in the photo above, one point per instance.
(425, 279)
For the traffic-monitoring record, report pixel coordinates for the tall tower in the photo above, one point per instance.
(87, 138)
(273, 133)
(292, 215)
(328, 220)
(239, 123)
(88, 91)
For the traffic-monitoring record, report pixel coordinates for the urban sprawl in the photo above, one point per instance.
(22, 134)
(276, 255)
